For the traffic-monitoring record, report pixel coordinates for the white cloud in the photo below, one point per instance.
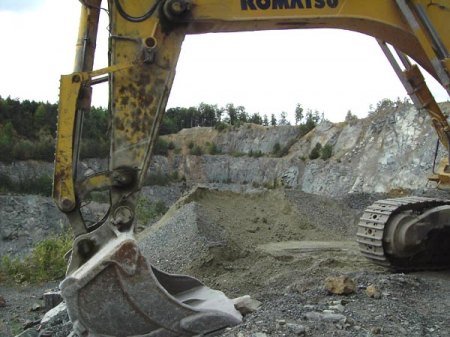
(20, 5)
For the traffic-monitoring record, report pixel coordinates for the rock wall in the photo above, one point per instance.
(393, 149)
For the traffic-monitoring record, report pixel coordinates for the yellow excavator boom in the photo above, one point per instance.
(110, 289)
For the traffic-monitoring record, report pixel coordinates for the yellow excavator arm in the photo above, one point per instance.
(110, 289)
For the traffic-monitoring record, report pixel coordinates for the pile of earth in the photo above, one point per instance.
(278, 246)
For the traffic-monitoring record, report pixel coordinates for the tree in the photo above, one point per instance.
(256, 119)
(326, 152)
(242, 115)
(273, 120)
(315, 152)
(40, 116)
(283, 119)
(382, 105)
(350, 117)
(265, 120)
(298, 114)
(232, 113)
(312, 118)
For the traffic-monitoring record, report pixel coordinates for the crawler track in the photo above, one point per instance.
(372, 228)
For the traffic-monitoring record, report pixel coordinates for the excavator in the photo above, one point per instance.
(110, 288)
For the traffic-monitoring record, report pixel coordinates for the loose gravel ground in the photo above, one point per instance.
(253, 243)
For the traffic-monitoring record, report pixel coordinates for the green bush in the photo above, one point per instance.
(315, 152)
(6, 184)
(147, 211)
(255, 154)
(279, 151)
(276, 149)
(326, 152)
(197, 150)
(41, 185)
(221, 126)
(45, 263)
(161, 147)
(213, 149)
(94, 148)
(159, 179)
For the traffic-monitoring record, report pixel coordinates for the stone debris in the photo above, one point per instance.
(340, 285)
(337, 307)
(297, 329)
(35, 307)
(246, 305)
(52, 299)
(54, 313)
(326, 316)
(29, 323)
(373, 292)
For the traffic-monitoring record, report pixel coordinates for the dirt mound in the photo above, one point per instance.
(226, 236)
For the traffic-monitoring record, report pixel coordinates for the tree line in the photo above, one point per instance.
(28, 128)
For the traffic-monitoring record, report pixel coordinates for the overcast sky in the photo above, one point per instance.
(267, 72)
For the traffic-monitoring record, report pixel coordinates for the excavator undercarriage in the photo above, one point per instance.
(406, 234)
(110, 289)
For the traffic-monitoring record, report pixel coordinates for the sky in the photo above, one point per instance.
(331, 71)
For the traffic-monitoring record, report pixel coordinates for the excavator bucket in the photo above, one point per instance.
(118, 293)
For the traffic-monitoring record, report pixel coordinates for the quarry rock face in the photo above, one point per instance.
(391, 149)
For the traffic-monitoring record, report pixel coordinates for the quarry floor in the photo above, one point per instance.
(278, 246)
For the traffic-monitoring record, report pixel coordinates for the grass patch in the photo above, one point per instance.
(196, 150)
(147, 211)
(41, 185)
(45, 263)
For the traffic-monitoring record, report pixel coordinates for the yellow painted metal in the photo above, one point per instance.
(70, 87)
(138, 96)
(63, 185)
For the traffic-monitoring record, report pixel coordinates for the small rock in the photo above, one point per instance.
(317, 316)
(29, 333)
(373, 292)
(246, 305)
(375, 330)
(334, 318)
(258, 334)
(35, 307)
(2, 302)
(281, 321)
(52, 299)
(57, 313)
(296, 329)
(337, 307)
(340, 285)
(28, 323)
